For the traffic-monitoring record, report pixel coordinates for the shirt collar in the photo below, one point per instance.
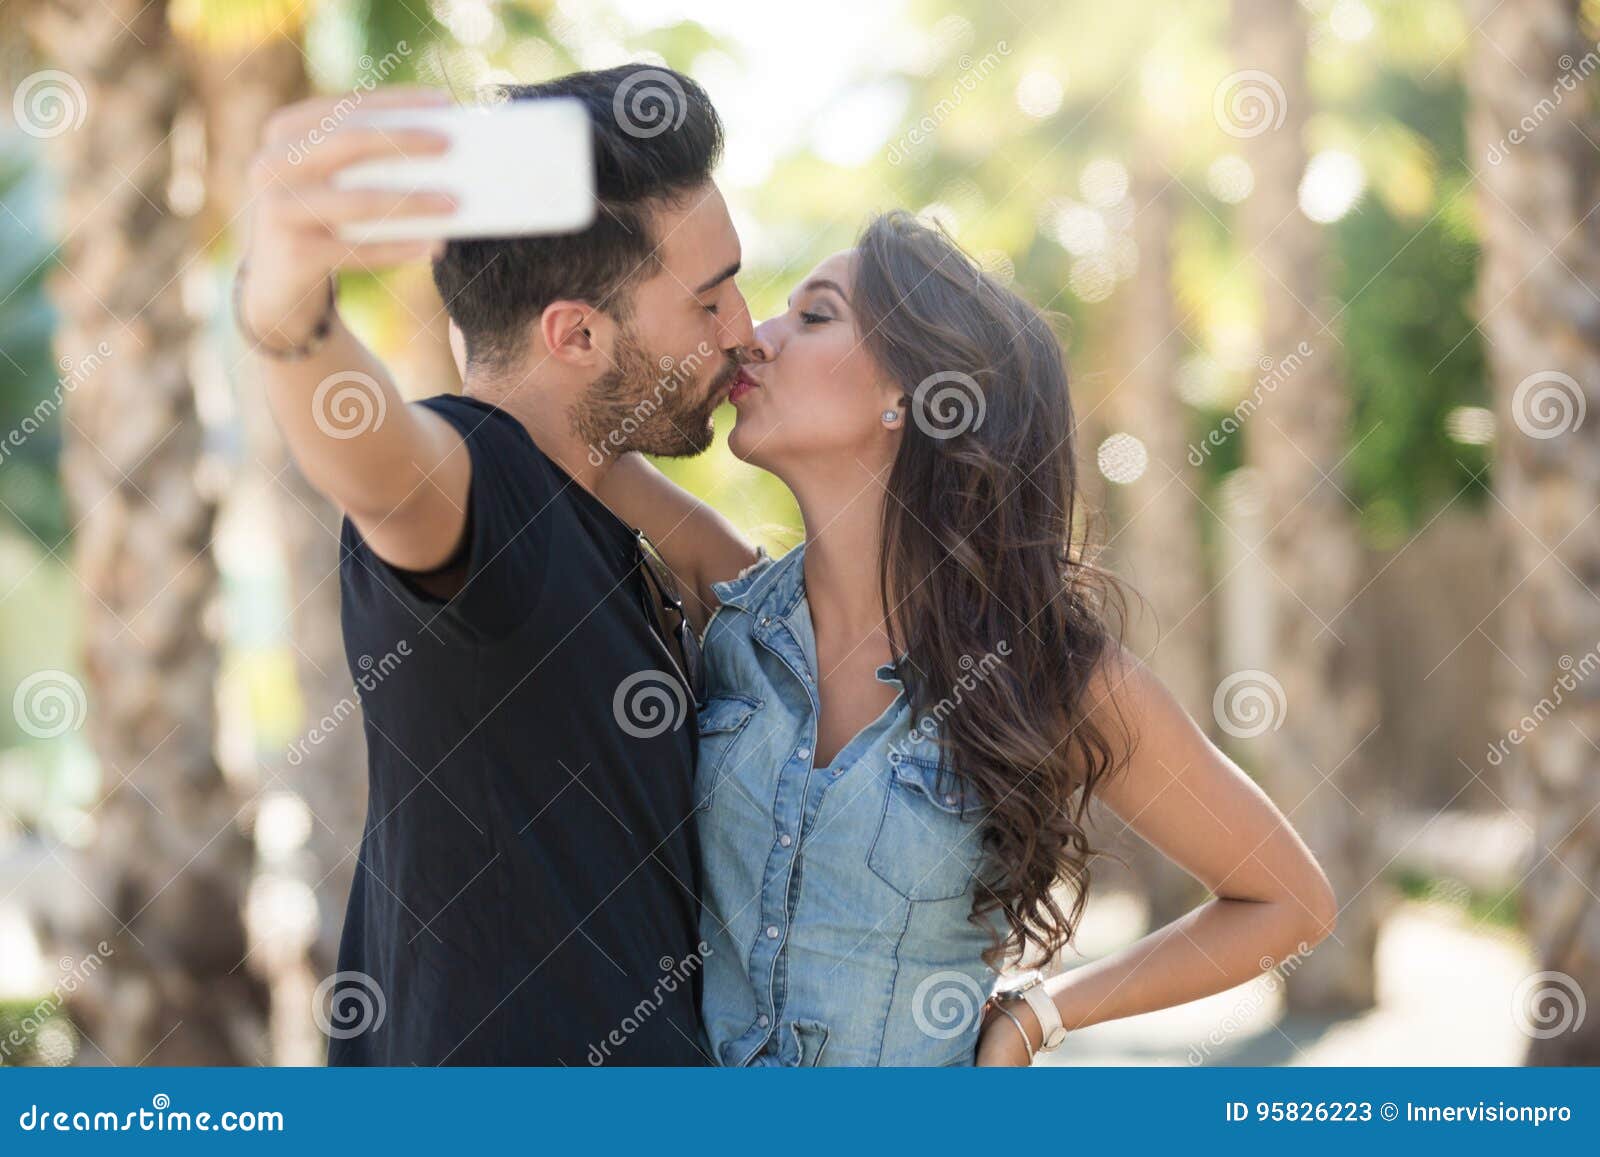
(766, 587)
(773, 588)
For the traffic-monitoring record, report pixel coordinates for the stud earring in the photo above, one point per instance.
(889, 416)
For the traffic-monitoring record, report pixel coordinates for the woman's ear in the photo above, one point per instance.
(897, 407)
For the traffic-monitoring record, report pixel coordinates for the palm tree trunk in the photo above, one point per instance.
(1313, 763)
(1537, 194)
(1160, 531)
(170, 857)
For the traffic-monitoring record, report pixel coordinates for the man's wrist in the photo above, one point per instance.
(289, 332)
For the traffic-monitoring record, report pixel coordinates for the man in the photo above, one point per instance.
(526, 889)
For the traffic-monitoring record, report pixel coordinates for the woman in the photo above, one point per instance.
(906, 717)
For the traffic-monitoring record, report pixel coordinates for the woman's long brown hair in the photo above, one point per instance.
(1005, 620)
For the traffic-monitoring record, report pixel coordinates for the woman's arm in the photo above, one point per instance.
(1187, 799)
(698, 545)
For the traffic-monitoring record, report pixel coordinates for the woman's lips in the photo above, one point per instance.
(743, 383)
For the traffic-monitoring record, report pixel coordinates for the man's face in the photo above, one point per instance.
(675, 350)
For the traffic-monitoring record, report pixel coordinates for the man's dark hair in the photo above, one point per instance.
(656, 136)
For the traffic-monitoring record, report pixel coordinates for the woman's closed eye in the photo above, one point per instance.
(809, 318)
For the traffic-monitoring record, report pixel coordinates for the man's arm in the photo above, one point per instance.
(399, 471)
(697, 543)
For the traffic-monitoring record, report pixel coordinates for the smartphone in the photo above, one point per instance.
(517, 167)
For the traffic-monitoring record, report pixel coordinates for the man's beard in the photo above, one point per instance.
(639, 405)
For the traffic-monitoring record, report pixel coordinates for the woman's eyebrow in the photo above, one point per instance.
(820, 283)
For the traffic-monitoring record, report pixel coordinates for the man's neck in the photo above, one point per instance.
(545, 415)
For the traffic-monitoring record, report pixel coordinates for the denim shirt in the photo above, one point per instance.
(835, 899)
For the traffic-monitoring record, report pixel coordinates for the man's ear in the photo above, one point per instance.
(577, 333)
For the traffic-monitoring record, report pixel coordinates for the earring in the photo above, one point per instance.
(889, 416)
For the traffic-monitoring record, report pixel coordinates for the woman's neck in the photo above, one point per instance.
(843, 518)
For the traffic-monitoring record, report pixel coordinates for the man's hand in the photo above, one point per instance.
(401, 472)
(296, 209)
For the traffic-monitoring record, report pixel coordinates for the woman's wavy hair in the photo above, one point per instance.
(980, 561)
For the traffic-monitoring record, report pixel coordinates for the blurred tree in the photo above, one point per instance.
(246, 69)
(1297, 439)
(1161, 526)
(1537, 130)
(170, 861)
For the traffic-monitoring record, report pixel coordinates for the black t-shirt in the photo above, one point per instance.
(527, 885)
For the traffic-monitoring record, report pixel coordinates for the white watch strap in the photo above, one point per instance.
(1049, 1016)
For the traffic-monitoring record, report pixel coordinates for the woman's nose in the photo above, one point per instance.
(763, 346)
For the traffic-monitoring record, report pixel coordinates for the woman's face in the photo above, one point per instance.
(812, 397)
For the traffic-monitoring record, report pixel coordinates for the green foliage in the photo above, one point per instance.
(30, 429)
(34, 1033)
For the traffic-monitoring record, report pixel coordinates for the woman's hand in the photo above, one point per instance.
(1000, 1044)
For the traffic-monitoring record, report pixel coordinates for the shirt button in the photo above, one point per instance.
(785, 839)
(763, 1020)
(838, 771)
(950, 799)
(772, 931)
(804, 753)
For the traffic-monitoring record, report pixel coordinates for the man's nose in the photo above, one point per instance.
(736, 330)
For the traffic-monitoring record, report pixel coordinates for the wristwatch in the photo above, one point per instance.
(1029, 986)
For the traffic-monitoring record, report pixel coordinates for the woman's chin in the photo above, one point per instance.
(740, 443)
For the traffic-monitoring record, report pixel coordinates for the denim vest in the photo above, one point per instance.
(835, 899)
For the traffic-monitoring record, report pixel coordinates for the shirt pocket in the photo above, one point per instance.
(926, 847)
(720, 722)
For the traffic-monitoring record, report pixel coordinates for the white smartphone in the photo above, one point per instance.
(518, 167)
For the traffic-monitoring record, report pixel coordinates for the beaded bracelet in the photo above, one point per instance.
(312, 343)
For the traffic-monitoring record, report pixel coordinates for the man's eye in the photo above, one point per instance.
(711, 309)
